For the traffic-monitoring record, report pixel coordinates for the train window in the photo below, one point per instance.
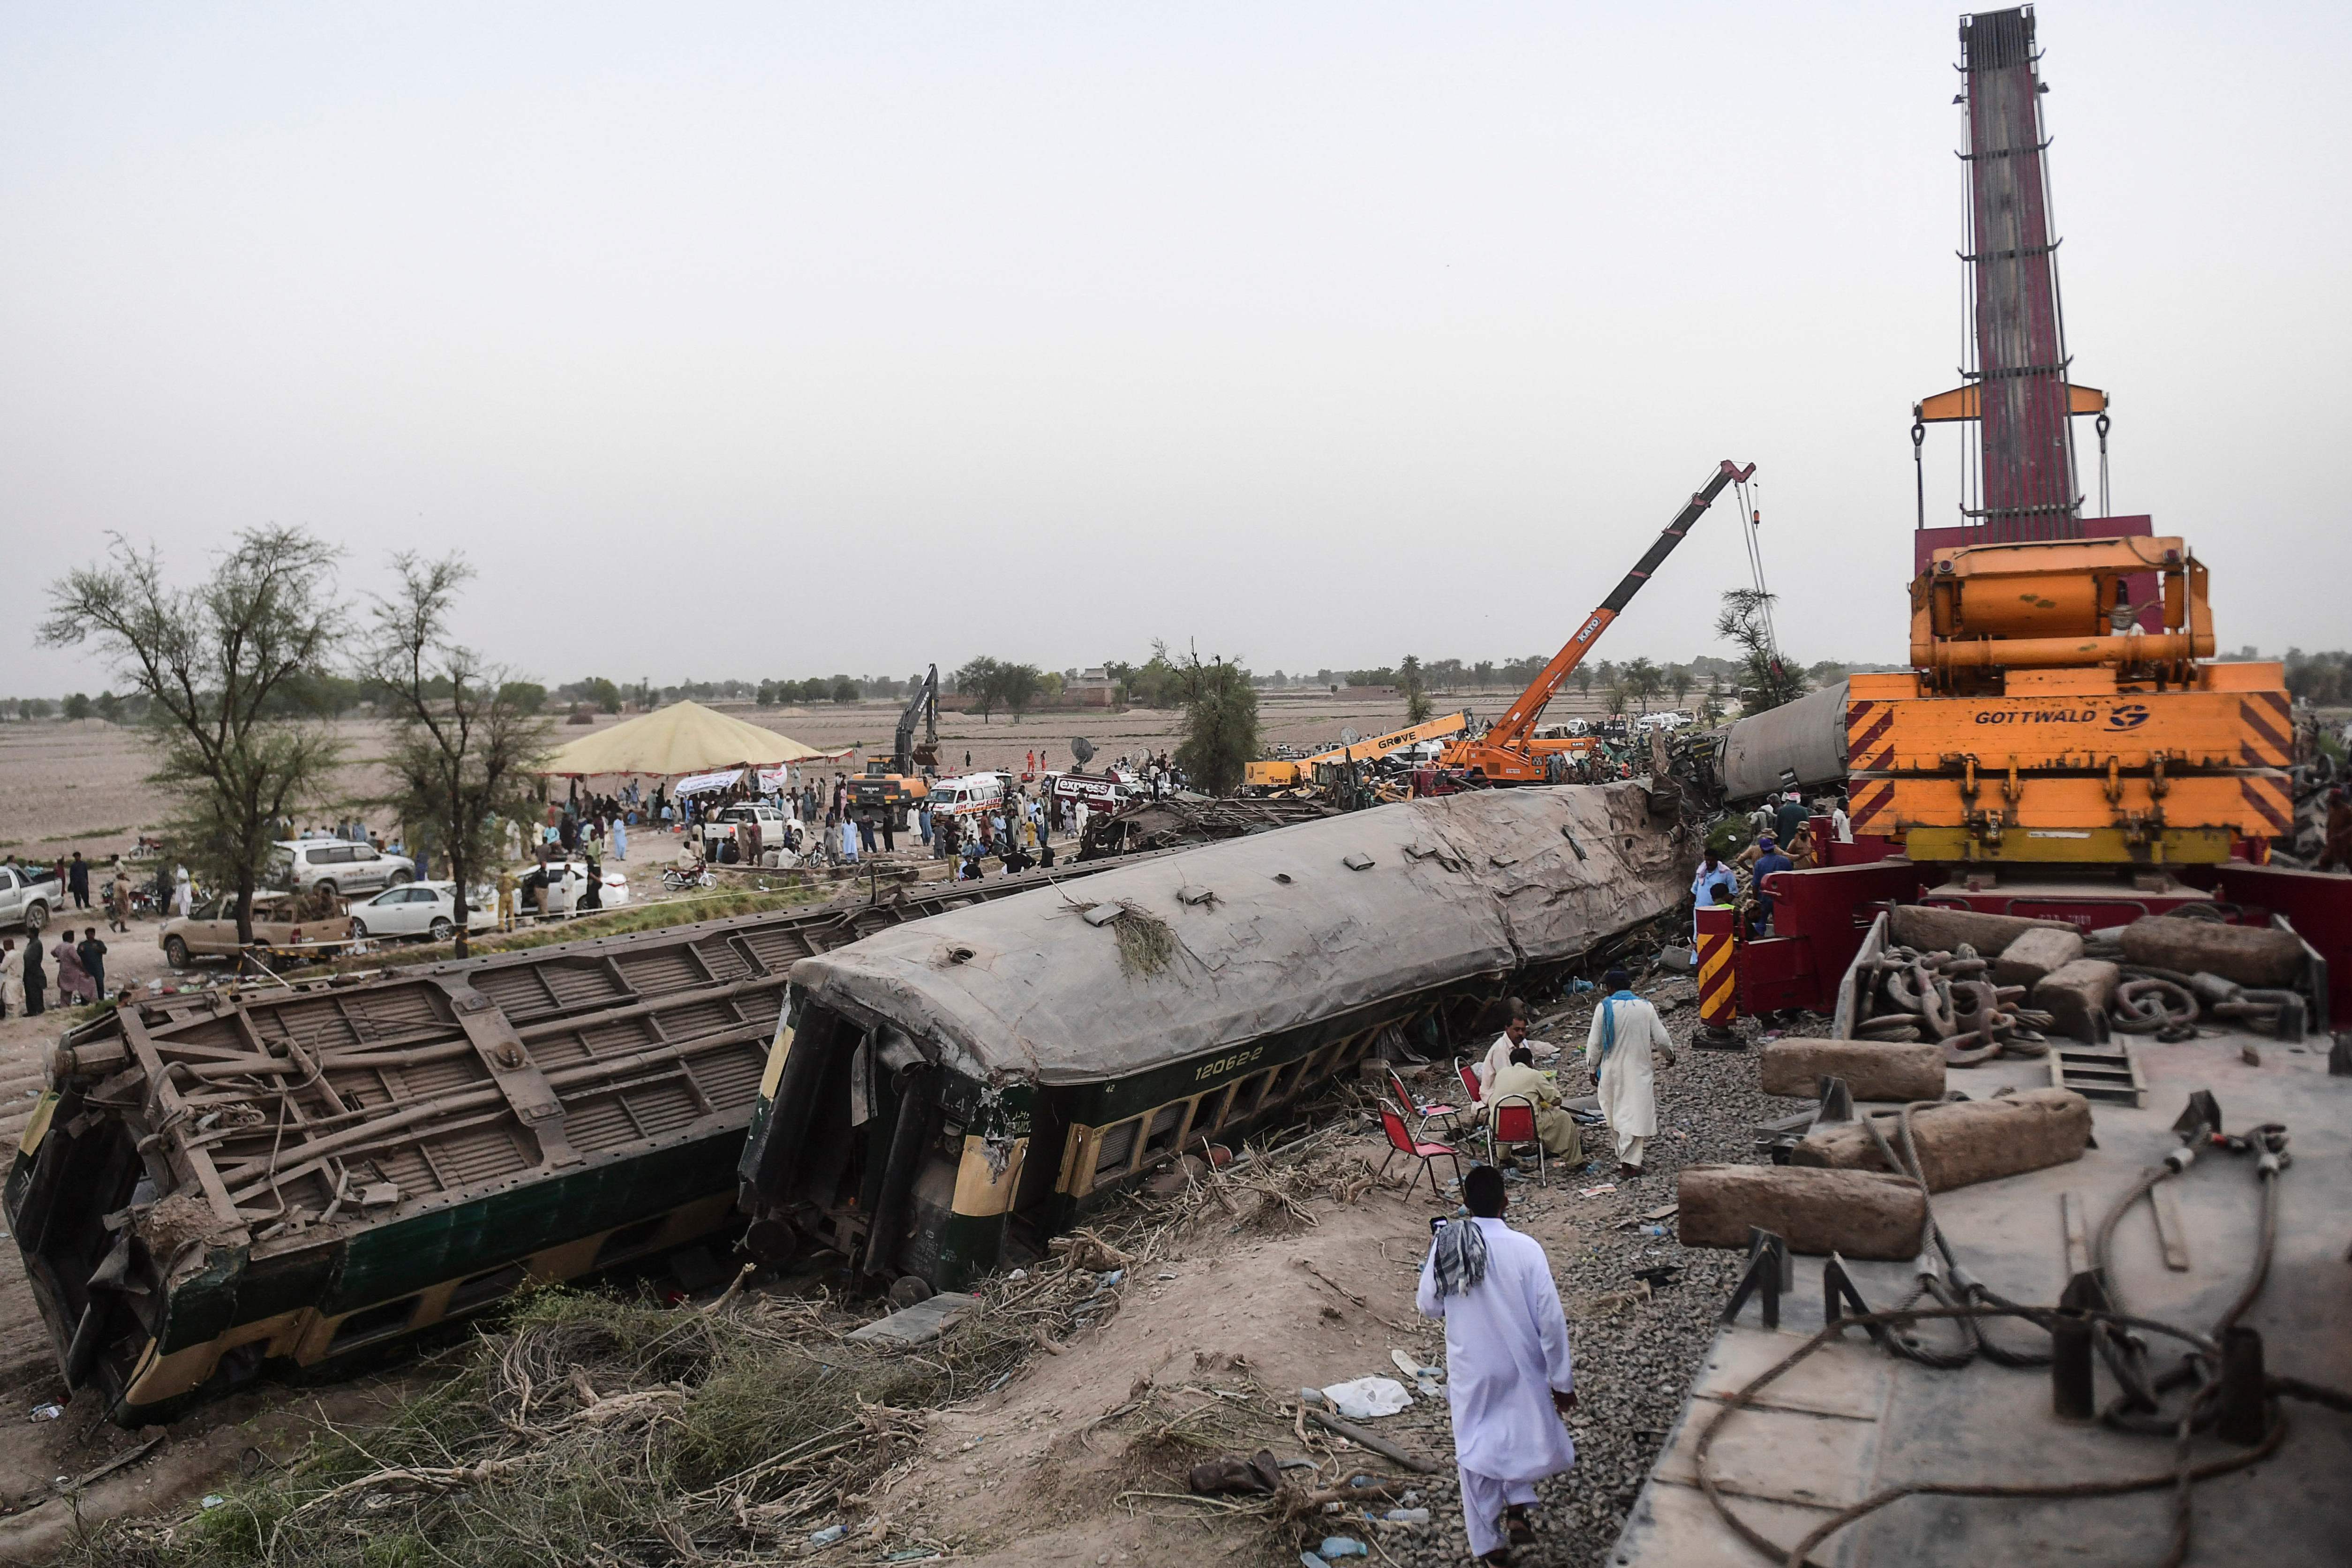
(1166, 1127)
(1117, 1144)
(1214, 1106)
(1248, 1095)
(627, 1240)
(1284, 1079)
(485, 1287)
(372, 1323)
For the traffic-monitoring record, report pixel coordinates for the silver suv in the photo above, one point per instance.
(340, 868)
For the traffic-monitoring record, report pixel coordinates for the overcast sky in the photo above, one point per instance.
(785, 340)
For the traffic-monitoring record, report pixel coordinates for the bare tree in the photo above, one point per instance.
(1764, 680)
(223, 666)
(461, 742)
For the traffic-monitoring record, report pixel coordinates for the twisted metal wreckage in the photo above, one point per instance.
(311, 1173)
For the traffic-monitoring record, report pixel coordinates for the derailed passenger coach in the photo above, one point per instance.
(943, 1096)
(309, 1175)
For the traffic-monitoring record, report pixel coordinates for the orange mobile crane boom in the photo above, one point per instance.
(1508, 752)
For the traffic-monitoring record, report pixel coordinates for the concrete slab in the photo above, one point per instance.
(1677, 1524)
(1837, 1380)
(1987, 1423)
(1784, 1455)
(914, 1325)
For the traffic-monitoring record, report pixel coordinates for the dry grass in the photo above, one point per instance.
(588, 1429)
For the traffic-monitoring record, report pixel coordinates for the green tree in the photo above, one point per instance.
(1220, 724)
(110, 707)
(462, 744)
(77, 706)
(1616, 696)
(1415, 687)
(523, 696)
(1764, 681)
(1016, 686)
(767, 694)
(603, 693)
(1644, 680)
(843, 688)
(977, 679)
(33, 706)
(1583, 678)
(210, 660)
(1681, 679)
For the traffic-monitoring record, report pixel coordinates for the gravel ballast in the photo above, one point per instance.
(1635, 1365)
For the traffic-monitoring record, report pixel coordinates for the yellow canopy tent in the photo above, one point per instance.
(683, 738)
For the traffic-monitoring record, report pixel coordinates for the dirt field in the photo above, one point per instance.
(82, 784)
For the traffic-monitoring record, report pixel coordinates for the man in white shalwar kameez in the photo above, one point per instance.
(1625, 1030)
(1507, 1376)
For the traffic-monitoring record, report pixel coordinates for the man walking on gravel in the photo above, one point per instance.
(1507, 1378)
(1625, 1030)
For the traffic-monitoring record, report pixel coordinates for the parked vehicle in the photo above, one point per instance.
(566, 880)
(341, 869)
(428, 910)
(210, 930)
(967, 796)
(775, 830)
(28, 896)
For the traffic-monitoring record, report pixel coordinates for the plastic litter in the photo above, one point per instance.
(211, 1499)
(1407, 1516)
(1367, 1397)
(1343, 1546)
(1427, 1381)
(828, 1535)
(47, 1412)
(1309, 1560)
(1105, 1281)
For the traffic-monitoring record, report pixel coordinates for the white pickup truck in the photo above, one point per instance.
(27, 898)
(770, 823)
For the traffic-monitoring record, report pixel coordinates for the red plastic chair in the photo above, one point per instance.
(1470, 1080)
(1428, 1113)
(1512, 1119)
(1403, 1142)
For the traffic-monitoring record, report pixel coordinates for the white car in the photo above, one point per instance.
(343, 870)
(428, 910)
(568, 879)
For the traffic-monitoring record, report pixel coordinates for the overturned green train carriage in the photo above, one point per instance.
(940, 1097)
(309, 1173)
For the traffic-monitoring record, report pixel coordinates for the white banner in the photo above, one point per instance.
(775, 780)
(698, 784)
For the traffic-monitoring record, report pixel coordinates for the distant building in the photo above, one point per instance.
(1091, 688)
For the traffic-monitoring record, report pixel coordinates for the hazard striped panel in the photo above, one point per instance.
(2270, 797)
(1868, 749)
(2269, 740)
(1866, 802)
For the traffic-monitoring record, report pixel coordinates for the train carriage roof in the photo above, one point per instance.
(1270, 931)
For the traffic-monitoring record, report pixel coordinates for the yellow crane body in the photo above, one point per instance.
(2049, 717)
(1286, 772)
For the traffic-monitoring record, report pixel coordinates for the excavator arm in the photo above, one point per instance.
(925, 706)
(1511, 734)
